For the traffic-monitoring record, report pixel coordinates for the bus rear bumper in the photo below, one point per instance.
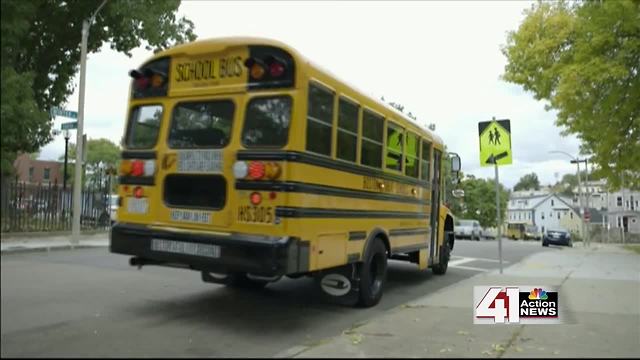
(237, 252)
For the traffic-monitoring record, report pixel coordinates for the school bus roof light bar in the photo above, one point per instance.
(272, 65)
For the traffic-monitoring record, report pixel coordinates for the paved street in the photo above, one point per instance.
(88, 302)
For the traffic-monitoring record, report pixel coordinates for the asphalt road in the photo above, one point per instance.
(91, 303)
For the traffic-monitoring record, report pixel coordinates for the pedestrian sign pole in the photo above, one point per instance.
(495, 149)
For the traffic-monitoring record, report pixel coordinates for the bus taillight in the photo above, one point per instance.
(138, 192)
(272, 170)
(137, 168)
(276, 66)
(255, 198)
(125, 167)
(257, 170)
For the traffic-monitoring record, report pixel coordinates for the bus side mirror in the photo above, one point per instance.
(455, 163)
(458, 193)
(455, 166)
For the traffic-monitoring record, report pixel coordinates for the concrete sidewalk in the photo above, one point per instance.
(600, 285)
(43, 242)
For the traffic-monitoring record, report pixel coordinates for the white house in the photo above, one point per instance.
(596, 193)
(544, 211)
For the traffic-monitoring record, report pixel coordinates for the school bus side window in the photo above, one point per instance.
(267, 122)
(426, 158)
(319, 120)
(144, 125)
(394, 147)
(412, 161)
(347, 130)
(372, 136)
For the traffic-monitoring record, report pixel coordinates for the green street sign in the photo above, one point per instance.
(495, 142)
(69, 125)
(56, 111)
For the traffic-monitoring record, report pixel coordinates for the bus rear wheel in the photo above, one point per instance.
(373, 274)
(443, 264)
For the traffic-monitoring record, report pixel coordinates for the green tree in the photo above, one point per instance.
(99, 151)
(528, 182)
(480, 201)
(584, 59)
(41, 52)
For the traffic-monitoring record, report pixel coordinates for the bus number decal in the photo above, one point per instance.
(259, 214)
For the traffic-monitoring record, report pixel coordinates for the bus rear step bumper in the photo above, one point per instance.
(260, 255)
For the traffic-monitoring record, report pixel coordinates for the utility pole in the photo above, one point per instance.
(77, 183)
(67, 135)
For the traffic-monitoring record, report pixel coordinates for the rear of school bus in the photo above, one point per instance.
(191, 109)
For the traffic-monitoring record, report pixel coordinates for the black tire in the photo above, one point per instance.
(373, 274)
(545, 244)
(240, 280)
(445, 254)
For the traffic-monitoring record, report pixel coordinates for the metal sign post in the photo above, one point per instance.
(495, 149)
(498, 217)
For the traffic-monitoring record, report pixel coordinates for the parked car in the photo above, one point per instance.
(532, 232)
(557, 237)
(468, 229)
(490, 233)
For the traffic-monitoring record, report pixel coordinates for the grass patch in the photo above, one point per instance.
(634, 247)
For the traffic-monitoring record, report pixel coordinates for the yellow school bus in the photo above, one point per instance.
(245, 162)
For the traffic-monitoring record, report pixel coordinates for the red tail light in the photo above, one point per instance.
(256, 170)
(255, 198)
(138, 192)
(142, 83)
(137, 168)
(276, 69)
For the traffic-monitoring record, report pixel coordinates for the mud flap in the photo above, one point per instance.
(423, 259)
(339, 285)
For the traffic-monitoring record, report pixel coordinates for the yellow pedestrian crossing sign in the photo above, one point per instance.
(495, 142)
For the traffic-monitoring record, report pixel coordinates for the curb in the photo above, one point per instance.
(7, 237)
(23, 249)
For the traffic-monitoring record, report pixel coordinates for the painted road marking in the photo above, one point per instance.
(459, 260)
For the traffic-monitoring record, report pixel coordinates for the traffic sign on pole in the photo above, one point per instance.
(56, 111)
(495, 142)
(69, 125)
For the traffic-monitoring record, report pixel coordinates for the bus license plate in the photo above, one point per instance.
(179, 247)
(137, 205)
(255, 214)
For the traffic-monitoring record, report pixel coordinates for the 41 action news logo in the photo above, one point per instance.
(515, 305)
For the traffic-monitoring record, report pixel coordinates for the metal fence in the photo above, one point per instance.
(613, 235)
(30, 207)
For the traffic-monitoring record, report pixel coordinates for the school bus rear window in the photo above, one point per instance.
(144, 125)
(267, 122)
(201, 124)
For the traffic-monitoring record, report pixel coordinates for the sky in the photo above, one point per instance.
(440, 59)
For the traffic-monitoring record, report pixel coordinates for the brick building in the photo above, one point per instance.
(38, 171)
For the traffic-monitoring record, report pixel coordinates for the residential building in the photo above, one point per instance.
(573, 223)
(38, 171)
(544, 211)
(595, 192)
(624, 210)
